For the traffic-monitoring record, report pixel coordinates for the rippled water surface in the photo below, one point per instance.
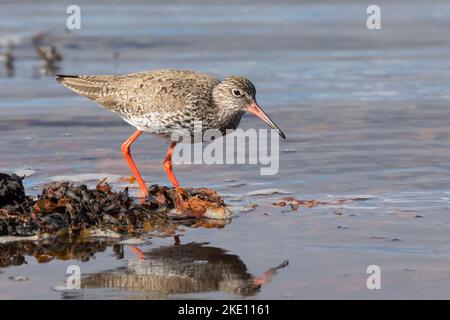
(366, 114)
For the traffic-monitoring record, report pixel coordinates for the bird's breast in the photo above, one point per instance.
(188, 121)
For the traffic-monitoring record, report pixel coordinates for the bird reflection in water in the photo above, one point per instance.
(156, 274)
(182, 269)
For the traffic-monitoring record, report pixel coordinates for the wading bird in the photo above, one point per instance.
(167, 101)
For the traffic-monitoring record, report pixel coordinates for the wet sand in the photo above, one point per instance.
(365, 112)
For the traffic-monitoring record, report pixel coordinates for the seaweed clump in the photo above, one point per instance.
(64, 208)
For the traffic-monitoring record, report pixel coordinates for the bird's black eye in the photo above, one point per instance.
(237, 92)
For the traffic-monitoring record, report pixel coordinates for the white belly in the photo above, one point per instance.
(155, 122)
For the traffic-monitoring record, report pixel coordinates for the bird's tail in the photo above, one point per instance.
(90, 86)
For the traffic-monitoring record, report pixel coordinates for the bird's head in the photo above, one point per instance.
(237, 94)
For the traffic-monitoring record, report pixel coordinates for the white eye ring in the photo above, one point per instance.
(236, 92)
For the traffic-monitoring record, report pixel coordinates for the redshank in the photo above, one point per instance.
(166, 101)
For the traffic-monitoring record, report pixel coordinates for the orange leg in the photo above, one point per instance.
(138, 253)
(126, 146)
(168, 165)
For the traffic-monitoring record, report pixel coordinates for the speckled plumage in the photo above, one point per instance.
(164, 101)
(168, 102)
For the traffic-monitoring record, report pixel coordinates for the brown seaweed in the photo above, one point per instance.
(65, 208)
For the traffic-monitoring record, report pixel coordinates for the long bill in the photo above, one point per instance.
(257, 111)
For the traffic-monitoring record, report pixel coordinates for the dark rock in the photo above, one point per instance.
(11, 190)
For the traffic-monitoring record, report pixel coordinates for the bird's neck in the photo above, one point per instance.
(229, 120)
(226, 116)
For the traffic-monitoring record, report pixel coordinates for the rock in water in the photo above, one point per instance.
(11, 190)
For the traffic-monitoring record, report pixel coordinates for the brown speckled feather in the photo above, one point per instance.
(159, 101)
(143, 92)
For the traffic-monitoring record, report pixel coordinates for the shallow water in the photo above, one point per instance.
(366, 115)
